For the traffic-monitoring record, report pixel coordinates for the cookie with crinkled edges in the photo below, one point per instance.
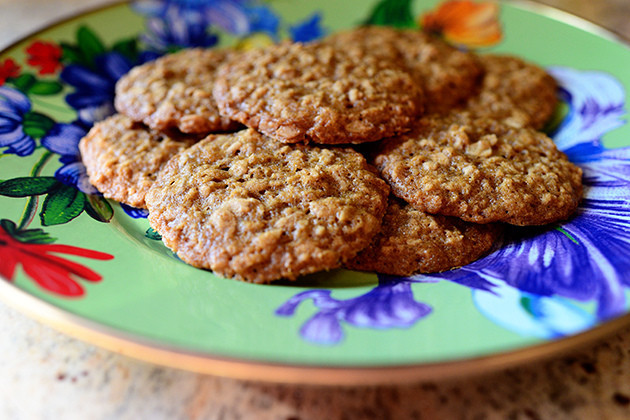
(411, 242)
(515, 91)
(122, 157)
(481, 170)
(175, 91)
(251, 208)
(447, 75)
(295, 92)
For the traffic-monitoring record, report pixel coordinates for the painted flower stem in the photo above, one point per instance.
(30, 210)
(52, 107)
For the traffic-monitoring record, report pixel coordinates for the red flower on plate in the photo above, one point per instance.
(51, 272)
(465, 23)
(8, 68)
(45, 55)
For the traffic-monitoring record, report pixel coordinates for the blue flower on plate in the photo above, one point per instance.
(134, 212)
(14, 105)
(389, 305)
(539, 281)
(174, 24)
(261, 18)
(178, 26)
(63, 139)
(308, 30)
(93, 98)
(585, 259)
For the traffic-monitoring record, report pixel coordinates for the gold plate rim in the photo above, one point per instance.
(152, 351)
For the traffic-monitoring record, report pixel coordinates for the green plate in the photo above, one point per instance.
(95, 270)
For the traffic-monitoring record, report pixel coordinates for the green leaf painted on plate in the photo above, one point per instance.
(127, 47)
(28, 186)
(98, 208)
(36, 124)
(89, 44)
(153, 234)
(526, 303)
(31, 236)
(71, 54)
(30, 85)
(396, 13)
(61, 205)
(23, 82)
(45, 87)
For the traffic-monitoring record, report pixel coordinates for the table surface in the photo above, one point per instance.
(46, 374)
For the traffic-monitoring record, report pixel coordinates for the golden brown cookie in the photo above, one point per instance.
(481, 171)
(251, 208)
(411, 241)
(175, 91)
(317, 93)
(448, 76)
(123, 158)
(518, 92)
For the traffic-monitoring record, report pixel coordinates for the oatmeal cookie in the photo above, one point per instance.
(448, 76)
(251, 208)
(515, 91)
(412, 241)
(316, 93)
(175, 91)
(122, 157)
(481, 171)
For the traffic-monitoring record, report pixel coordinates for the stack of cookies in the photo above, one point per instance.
(375, 149)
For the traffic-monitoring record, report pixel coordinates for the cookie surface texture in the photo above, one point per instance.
(411, 241)
(316, 93)
(251, 208)
(448, 76)
(519, 93)
(481, 171)
(175, 91)
(123, 158)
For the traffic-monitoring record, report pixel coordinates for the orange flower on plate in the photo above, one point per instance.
(465, 23)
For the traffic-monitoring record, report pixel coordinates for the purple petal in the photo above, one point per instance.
(114, 65)
(9, 112)
(321, 298)
(149, 7)
(9, 133)
(323, 328)
(308, 30)
(15, 98)
(263, 19)
(91, 114)
(608, 171)
(75, 175)
(63, 139)
(134, 212)
(21, 145)
(85, 99)
(386, 306)
(597, 104)
(229, 16)
(85, 79)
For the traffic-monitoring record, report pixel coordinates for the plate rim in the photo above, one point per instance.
(149, 350)
(172, 356)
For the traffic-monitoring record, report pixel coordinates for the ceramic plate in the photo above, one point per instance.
(96, 270)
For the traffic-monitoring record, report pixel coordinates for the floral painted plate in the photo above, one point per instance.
(94, 268)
